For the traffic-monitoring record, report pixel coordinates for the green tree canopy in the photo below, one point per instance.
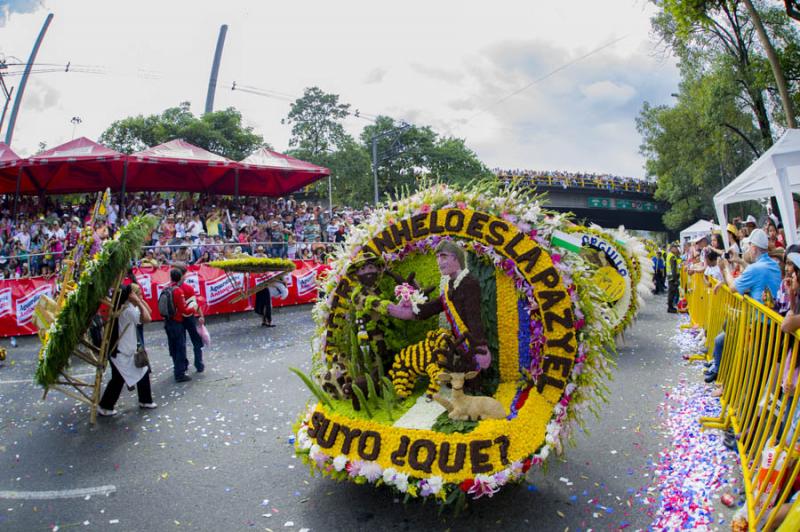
(220, 132)
(316, 120)
(696, 146)
(405, 152)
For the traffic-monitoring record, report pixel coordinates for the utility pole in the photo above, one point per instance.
(18, 100)
(395, 149)
(212, 80)
(6, 92)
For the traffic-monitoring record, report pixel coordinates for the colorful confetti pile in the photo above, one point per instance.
(695, 464)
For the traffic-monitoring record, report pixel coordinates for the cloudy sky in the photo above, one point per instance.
(483, 71)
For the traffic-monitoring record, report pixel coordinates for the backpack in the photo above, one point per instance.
(166, 303)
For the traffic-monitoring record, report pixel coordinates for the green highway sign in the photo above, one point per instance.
(621, 204)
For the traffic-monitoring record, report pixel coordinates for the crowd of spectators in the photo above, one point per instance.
(560, 178)
(193, 229)
(757, 263)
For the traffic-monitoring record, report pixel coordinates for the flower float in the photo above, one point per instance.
(615, 272)
(547, 330)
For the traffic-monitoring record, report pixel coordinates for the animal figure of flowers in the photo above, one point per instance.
(409, 295)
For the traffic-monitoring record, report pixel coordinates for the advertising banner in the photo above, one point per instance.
(215, 290)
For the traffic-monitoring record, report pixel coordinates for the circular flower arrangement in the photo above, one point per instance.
(547, 330)
(617, 273)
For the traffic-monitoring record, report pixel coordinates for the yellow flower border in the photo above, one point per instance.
(509, 440)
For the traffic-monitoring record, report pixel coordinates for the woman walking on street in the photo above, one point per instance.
(123, 369)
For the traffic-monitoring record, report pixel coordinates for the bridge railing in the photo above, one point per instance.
(759, 401)
(587, 182)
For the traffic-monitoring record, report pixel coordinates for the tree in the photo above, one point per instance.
(701, 37)
(316, 121)
(725, 20)
(407, 153)
(220, 132)
(697, 146)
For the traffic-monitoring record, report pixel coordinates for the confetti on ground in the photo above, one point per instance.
(695, 464)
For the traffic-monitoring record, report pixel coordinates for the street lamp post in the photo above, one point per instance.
(75, 121)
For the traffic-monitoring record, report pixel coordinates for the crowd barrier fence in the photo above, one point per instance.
(759, 400)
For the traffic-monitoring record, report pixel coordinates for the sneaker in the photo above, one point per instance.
(201, 369)
(711, 377)
(106, 413)
(183, 378)
(148, 405)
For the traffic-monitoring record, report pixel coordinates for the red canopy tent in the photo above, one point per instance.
(269, 173)
(177, 166)
(80, 165)
(9, 169)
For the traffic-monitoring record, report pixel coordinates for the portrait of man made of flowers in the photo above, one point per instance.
(371, 350)
(452, 326)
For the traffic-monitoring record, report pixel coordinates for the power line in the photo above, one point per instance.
(549, 74)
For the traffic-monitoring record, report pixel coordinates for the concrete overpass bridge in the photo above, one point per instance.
(608, 202)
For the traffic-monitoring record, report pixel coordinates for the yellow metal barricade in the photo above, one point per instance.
(758, 402)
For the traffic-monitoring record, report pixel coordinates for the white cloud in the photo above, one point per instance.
(608, 92)
(447, 69)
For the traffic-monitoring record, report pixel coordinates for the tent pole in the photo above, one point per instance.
(122, 193)
(783, 193)
(236, 184)
(16, 195)
(722, 218)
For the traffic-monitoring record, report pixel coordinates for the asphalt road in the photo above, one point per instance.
(215, 454)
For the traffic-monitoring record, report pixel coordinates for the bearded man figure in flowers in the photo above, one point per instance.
(459, 300)
(368, 269)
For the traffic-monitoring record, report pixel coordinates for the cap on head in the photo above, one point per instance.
(448, 246)
(759, 239)
(751, 220)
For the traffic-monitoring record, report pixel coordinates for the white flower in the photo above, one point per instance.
(388, 475)
(303, 441)
(371, 471)
(340, 462)
(432, 486)
(400, 482)
(544, 452)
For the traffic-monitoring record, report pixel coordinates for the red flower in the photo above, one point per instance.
(526, 464)
(466, 485)
(522, 398)
(425, 208)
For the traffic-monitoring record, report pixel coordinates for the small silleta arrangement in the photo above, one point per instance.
(456, 346)
(616, 258)
(254, 265)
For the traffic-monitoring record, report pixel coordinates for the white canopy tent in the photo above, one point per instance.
(700, 227)
(775, 173)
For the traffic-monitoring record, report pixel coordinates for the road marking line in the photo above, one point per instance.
(57, 494)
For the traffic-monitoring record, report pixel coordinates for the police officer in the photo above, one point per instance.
(673, 278)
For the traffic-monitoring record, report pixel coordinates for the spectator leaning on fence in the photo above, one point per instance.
(760, 280)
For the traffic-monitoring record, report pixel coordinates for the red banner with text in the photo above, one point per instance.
(216, 291)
